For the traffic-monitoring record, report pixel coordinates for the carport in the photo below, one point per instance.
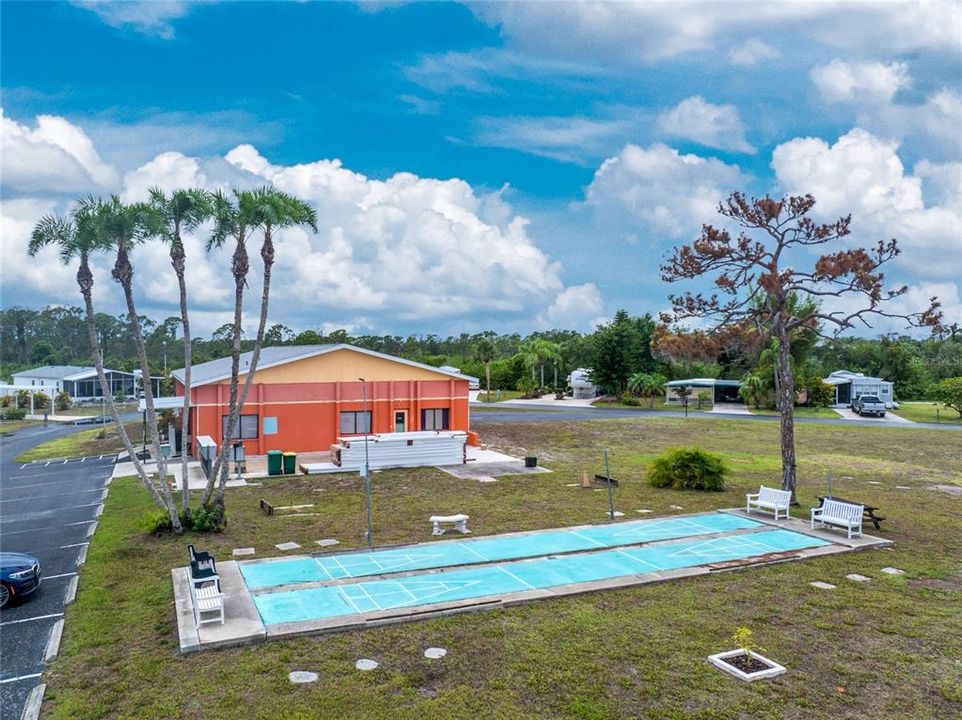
(722, 390)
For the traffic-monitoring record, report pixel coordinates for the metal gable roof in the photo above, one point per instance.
(220, 369)
(51, 372)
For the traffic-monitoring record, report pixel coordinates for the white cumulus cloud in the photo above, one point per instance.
(56, 155)
(578, 307)
(752, 52)
(867, 82)
(717, 126)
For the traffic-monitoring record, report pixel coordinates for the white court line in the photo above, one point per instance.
(347, 573)
(377, 605)
(39, 617)
(467, 546)
(321, 565)
(342, 592)
(22, 677)
(636, 559)
(585, 537)
(512, 575)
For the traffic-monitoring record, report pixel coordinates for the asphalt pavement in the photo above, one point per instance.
(49, 510)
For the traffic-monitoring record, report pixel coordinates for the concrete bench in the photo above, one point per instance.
(842, 514)
(769, 499)
(460, 523)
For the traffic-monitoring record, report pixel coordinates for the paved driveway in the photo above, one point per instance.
(47, 510)
(889, 418)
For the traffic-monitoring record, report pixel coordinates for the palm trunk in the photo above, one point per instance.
(786, 406)
(124, 274)
(267, 255)
(239, 266)
(178, 262)
(85, 281)
(487, 377)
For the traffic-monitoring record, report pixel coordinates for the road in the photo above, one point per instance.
(482, 412)
(46, 510)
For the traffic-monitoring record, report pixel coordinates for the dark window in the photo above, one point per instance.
(246, 428)
(355, 423)
(435, 419)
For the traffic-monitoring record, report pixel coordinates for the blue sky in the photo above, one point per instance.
(513, 166)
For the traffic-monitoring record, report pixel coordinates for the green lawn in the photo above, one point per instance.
(498, 396)
(83, 442)
(11, 426)
(886, 649)
(928, 412)
(799, 412)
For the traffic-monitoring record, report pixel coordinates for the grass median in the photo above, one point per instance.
(96, 441)
(887, 648)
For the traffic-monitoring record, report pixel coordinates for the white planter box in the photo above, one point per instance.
(773, 669)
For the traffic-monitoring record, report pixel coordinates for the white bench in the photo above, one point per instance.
(460, 523)
(207, 600)
(843, 514)
(770, 499)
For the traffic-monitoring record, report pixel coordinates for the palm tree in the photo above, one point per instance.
(485, 352)
(538, 352)
(78, 237)
(125, 227)
(183, 211)
(270, 210)
(752, 389)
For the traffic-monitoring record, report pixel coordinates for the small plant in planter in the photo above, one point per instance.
(746, 663)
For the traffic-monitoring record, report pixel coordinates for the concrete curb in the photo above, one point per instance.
(71, 590)
(53, 642)
(82, 557)
(31, 709)
(92, 529)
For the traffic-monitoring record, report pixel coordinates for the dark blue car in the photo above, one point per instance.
(19, 576)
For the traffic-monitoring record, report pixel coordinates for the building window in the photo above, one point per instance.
(246, 428)
(435, 419)
(355, 422)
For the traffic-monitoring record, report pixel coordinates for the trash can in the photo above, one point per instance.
(290, 463)
(531, 461)
(275, 462)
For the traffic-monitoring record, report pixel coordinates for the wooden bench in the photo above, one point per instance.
(769, 499)
(207, 600)
(459, 521)
(843, 514)
(869, 510)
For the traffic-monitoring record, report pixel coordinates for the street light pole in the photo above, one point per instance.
(369, 535)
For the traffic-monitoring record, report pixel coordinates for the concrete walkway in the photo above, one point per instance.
(545, 401)
(730, 408)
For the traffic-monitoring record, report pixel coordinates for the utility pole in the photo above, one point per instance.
(366, 471)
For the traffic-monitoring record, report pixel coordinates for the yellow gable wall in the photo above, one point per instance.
(341, 366)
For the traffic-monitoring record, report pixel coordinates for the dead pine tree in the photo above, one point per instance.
(765, 271)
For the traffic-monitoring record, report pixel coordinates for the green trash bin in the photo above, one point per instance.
(290, 463)
(275, 460)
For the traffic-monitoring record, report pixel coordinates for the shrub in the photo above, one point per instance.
(10, 413)
(207, 518)
(157, 522)
(688, 469)
(6, 401)
(63, 401)
(630, 401)
(41, 401)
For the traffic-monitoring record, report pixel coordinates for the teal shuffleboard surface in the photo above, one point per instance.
(442, 554)
(366, 596)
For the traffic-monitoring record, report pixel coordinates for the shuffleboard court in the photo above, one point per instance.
(266, 574)
(358, 598)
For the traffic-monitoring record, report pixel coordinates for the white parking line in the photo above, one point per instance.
(39, 617)
(61, 575)
(32, 676)
(23, 466)
(41, 497)
(61, 547)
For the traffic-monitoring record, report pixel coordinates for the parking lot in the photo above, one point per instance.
(49, 510)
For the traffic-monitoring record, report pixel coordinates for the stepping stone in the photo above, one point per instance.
(327, 541)
(892, 571)
(435, 653)
(858, 578)
(487, 479)
(302, 676)
(847, 477)
(243, 551)
(287, 546)
(676, 507)
(618, 513)
(572, 484)
(822, 585)
(365, 664)
(874, 482)
(644, 511)
(902, 487)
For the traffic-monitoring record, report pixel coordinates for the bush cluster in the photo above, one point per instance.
(11, 413)
(688, 469)
(206, 518)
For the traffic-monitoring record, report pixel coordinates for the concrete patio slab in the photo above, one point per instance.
(804, 527)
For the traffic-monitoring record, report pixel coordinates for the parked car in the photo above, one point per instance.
(869, 405)
(20, 575)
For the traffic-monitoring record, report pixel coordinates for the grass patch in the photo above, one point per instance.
(8, 427)
(84, 442)
(928, 412)
(498, 396)
(633, 652)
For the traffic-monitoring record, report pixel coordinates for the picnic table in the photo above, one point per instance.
(868, 510)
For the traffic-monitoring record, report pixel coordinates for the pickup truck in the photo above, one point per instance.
(869, 405)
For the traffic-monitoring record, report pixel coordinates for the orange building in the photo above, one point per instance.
(304, 397)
